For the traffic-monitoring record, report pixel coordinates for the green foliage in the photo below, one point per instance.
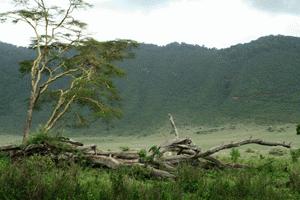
(25, 66)
(96, 93)
(249, 150)
(40, 137)
(215, 86)
(235, 155)
(40, 178)
(73, 70)
(294, 180)
(4, 161)
(123, 148)
(277, 152)
(154, 152)
(298, 129)
(295, 154)
(142, 153)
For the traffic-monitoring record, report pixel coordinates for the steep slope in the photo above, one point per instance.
(13, 90)
(256, 81)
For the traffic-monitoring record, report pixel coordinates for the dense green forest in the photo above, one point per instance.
(258, 81)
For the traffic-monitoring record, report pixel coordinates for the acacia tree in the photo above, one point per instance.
(69, 68)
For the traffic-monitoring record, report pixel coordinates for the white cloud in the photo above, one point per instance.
(132, 4)
(277, 6)
(214, 23)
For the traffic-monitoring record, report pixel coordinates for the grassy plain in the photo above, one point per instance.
(39, 177)
(204, 136)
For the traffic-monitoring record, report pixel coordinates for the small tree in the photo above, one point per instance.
(69, 68)
(298, 129)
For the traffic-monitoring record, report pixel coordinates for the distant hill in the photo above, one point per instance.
(258, 81)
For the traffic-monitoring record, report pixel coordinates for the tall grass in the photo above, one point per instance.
(40, 178)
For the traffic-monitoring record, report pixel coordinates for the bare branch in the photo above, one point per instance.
(97, 103)
(238, 144)
(44, 86)
(175, 131)
(59, 115)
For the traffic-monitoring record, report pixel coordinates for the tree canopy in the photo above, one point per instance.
(64, 51)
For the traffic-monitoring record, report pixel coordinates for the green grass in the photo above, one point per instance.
(270, 176)
(205, 137)
(40, 178)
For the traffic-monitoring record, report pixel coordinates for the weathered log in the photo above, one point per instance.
(180, 146)
(121, 155)
(188, 152)
(167, 166)
(88, 148)
(9, 148)
(36, 149)
(160, 173)
(218, 163)
(238, 144)
(176, 141)
(128, 162)
(175, 131)
(162, 165)
(70, 141)
(104, 161)
(177, 157)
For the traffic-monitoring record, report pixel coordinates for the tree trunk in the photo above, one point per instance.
(28, 121)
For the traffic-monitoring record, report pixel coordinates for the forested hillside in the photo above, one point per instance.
(13, 87)
(258, 81)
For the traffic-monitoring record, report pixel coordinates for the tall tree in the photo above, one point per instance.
(65, 54)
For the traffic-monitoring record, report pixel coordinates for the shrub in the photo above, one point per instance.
(277, 152)
(40, 137)
(270, 129)
(124, 148)
(294, 180)
(235, 155)
(295, 155)
(298, 129)
(249, 150)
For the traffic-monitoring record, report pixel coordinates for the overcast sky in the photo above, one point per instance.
(213, 23)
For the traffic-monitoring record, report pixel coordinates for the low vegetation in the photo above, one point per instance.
(60, 168)
(39, 177)
(298, 129)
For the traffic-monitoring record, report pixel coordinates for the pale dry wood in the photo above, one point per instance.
(71, 141)
(160, 173)
(121, 155)
(104, 161)
(238, 144)
(175, 131)
(9, 148)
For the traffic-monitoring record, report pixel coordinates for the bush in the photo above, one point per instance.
(277, 152)
(294, 180)
(295, 155)
(249, 150)
(235, 155)
(124, 148)
(298, 129)
(40, 137)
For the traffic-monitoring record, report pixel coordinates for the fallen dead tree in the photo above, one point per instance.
(160, 160)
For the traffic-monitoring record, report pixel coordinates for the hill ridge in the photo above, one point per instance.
(253, 81)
